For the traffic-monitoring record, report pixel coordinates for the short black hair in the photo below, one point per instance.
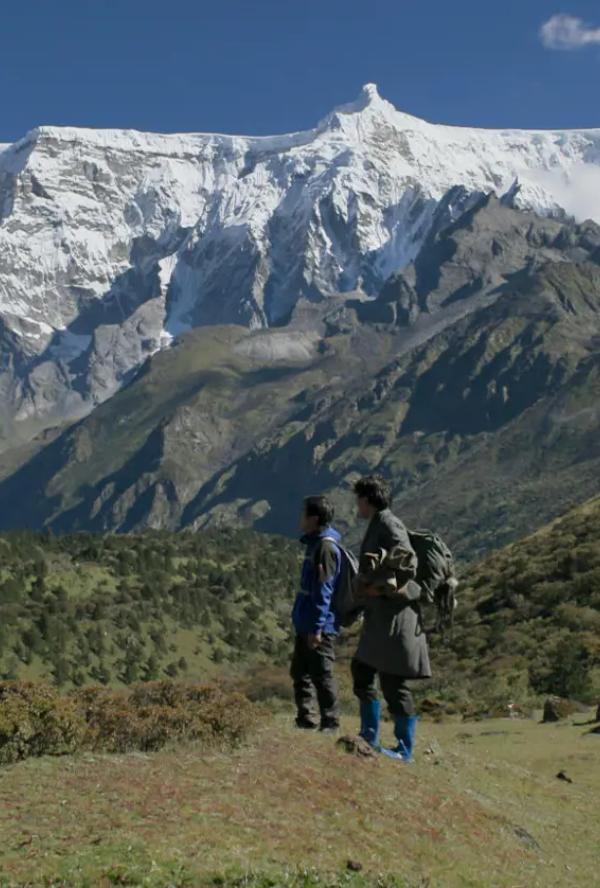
(319, 507)
(375, 489)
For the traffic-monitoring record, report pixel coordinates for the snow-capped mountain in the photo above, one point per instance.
(114, 242)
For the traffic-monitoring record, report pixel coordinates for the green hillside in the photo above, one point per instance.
(529, 620)
(117, 609)
(481, 807)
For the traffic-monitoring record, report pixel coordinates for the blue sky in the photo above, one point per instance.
(275, 65)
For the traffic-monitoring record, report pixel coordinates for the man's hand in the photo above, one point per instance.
(314, 640)
(372, 591)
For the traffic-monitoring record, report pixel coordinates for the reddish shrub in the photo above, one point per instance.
(36, 720)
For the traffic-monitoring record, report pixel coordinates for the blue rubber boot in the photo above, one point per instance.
(404, 730)
(370, 717)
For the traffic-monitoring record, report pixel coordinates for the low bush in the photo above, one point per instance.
(36, 720)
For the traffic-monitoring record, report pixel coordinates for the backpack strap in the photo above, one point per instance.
(319, 548)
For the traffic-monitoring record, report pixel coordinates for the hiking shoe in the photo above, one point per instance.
(304, 725)
(397, 754)
(404, 729)
(329, 729)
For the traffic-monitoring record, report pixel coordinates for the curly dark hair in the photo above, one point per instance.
(319, 507)
(375, 489)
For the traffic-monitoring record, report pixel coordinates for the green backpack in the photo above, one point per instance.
(436, 574)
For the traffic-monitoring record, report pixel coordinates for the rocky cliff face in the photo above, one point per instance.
(114, 243)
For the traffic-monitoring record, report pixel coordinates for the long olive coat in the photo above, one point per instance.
(392, 638)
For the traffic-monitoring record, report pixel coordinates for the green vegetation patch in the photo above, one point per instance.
(114, 610)
(529, 620)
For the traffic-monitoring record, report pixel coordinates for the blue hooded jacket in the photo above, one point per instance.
(312, 611)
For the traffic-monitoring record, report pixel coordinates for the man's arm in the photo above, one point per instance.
(326, 568)
(394, 537)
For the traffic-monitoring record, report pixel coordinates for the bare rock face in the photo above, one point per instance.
(112, 243)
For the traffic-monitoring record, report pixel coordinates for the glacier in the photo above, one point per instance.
(113, 243)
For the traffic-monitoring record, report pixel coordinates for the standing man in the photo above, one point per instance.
(315, 623)
(392, 642)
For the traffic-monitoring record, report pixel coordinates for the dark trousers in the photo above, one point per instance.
(397, 695)
(312, 674)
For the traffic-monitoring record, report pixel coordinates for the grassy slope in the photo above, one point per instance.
(214, 599)
(527, 608)
(481, 807)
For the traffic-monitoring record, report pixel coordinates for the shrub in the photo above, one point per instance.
(565, 672)
(36, 720)
(116, 726)
(151, 714)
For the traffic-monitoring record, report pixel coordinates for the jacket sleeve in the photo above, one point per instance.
(326, 569)
(394, 535)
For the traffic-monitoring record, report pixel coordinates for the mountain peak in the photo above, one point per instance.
(368, 102)
(369, 94)
(367, 98)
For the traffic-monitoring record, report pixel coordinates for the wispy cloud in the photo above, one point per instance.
(568, 32)
(575, 189)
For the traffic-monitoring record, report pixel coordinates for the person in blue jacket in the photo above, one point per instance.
(315, 622)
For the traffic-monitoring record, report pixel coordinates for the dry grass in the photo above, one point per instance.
(482, 807)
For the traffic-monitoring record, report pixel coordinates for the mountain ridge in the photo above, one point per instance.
(455, 382)
(108, 252)
(368, 97)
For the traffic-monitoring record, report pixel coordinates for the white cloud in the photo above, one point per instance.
(576, 189)
(568, 32)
